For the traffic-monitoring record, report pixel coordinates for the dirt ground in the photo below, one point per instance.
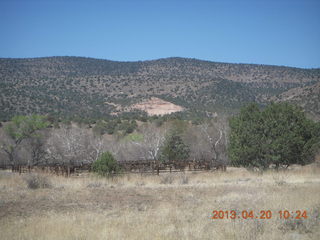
(168, 206)
(157, 106)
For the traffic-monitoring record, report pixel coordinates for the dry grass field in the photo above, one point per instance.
(176, 206)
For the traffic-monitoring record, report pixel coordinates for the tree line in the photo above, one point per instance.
(34, 140)
(277, 135)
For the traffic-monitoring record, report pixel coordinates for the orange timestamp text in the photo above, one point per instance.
(262, 214)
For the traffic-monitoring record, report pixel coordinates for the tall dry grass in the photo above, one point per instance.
(152, 207)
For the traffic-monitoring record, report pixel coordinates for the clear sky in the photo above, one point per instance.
(277, 32)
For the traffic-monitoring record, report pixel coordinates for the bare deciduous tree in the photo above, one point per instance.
(96, 146)
(153, 138)
(68, 145)
(37, 151)
(215, 133)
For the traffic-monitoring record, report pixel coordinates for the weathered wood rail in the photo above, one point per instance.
(141, 166)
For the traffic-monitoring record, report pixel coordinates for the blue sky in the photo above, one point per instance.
(277, 32)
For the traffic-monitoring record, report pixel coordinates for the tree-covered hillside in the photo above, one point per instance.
(75, 86)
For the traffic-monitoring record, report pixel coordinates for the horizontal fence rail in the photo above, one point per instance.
(142, 167)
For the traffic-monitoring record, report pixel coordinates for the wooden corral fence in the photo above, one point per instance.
(57, 169)
(141, 166)
(149, 166)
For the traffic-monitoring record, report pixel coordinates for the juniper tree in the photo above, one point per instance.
(280, 134)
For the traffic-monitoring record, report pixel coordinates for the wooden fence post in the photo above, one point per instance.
(68, 171)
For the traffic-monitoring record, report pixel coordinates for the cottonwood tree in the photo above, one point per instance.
(96, 146)
(200, 148)
(71, 144)
(214, 133)
(20, 129)
(37, 150)
(153, 138)
(142, 145)
(68, 145)
(129, 151)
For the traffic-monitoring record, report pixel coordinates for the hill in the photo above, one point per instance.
(308, 97)
(87, 87)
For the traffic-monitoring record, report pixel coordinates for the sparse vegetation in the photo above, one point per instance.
(141, 207)
(172, 205)
(35, 181)
(184, 179)
(91, 88)
(167, 179)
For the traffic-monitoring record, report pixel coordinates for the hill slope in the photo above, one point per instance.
(85, 86)
(308, 97)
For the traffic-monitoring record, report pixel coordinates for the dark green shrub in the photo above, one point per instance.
(106, 165)
(111, 126)
(174, 149)
(128, 126)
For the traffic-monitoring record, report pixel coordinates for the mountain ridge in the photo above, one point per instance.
(158, 59)
(81, 86)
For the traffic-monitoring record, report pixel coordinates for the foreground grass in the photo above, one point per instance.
(173, 206)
